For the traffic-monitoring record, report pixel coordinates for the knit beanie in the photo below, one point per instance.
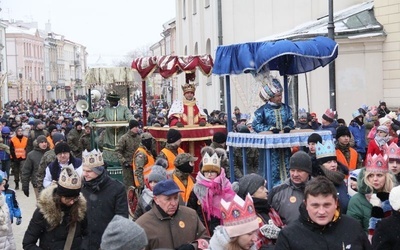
(51, 128)
(122, 233)
(40, 139)
(250, 183)
(61, 147)
(383, 128)
(58, 137)
(69, 183)
(301, 161)
(77, 123)
(157, 174)
(241, 128)
(341, 131)
(329, 115)
(36, 122)
(219, 137)
(173, 135)
(161, 162)
(314, 137)
(133, 124)
(394, 198)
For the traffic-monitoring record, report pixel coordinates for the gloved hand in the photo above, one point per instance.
(275, 130)
(375, 201)
(270, 230)
(286, 129)
(127, 165)
(202, 123)
(383, 196)
(85, 113)
(26, 191)
(185, 247)
(179, 125)
(19, 220)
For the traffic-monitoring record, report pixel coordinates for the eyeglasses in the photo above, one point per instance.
(69, 199)
(210, 172)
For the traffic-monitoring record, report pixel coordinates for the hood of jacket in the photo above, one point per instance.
(52, 214)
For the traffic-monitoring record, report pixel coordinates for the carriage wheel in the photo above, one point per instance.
(133, 199)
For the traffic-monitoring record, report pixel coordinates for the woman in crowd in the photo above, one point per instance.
(61, 212)
(211, 186)
(371, 203)
(7, 240)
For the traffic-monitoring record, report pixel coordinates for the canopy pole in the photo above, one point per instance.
(230, 125)
(144, 97)
(286, 89)
(332, 68)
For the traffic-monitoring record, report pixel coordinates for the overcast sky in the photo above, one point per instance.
(108, 28)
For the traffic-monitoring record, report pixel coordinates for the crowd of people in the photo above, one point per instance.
(334, 194)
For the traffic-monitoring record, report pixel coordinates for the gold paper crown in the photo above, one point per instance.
(211, 163)
(92, 159)
(239, 216)
(69, 178)
(377, 163)
(188, 88)
(393, 151)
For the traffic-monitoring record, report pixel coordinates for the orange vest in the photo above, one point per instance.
(146, 168)
(171, 158)
(20, 147)
(352, 164)
(50, 142)
(185, 190)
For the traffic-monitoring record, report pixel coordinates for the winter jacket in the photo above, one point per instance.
(7, 241)
(12, 203)
(342, 232)
(73, 142)
(286, 199)
(170, 232)
(53, 170)
(50, 224)
(330, 127)
(105, 197)
(30, 169)
(386, 236)
(358, 132)
(47, 158)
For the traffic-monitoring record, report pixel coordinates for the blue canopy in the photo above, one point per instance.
(285, 56)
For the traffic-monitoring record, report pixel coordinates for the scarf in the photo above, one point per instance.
(334, 176)
(381, 141)
(95, 184)
(210, 192)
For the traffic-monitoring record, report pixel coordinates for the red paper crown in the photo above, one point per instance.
(239, 216)
(393, 151)
(188, 88)
(376, 163)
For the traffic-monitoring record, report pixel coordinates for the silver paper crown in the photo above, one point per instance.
(69, 178)
(325, 150)
(92, 159)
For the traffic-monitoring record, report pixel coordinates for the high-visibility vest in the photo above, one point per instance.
(146, 168)
(20, 147)
(185, 190)
(171, 158)
(352, 164)
(50, 142)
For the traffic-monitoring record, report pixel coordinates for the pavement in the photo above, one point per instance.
(27, 206)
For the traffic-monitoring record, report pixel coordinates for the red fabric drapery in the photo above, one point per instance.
(167, 66)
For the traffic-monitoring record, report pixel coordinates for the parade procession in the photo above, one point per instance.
(224, 134)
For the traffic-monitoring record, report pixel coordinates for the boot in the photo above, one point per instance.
(16, 185)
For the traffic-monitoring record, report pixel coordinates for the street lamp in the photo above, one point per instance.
(42, 85)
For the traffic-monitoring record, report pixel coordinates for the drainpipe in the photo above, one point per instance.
(332, 68)
(220, 42)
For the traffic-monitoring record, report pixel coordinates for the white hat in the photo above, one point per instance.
(394, 198)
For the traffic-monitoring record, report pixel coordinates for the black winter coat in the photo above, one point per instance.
(387, 233)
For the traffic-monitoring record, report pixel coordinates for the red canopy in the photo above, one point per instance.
(167, 66)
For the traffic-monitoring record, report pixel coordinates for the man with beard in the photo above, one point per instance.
(111, 198)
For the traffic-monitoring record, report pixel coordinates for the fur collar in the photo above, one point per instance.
(51, 213)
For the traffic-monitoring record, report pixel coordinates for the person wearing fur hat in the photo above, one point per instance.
(371, 204)
(111, 198)
(73, 139)
(275, 116)
(211, 186)
(31, 165)
(168, 225)
(48, 157)
(382, 109)
(63, 158)
(329, 167)
(143, 160)
(287, 197)
(346, 155)
(156, 175)
(61, 211)
(269, 221)
(172, 149)
(122, 234)
(125, 148)
(184, 166)
(380, 141)
(386, 234)
(239, 230)
(7, 240)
